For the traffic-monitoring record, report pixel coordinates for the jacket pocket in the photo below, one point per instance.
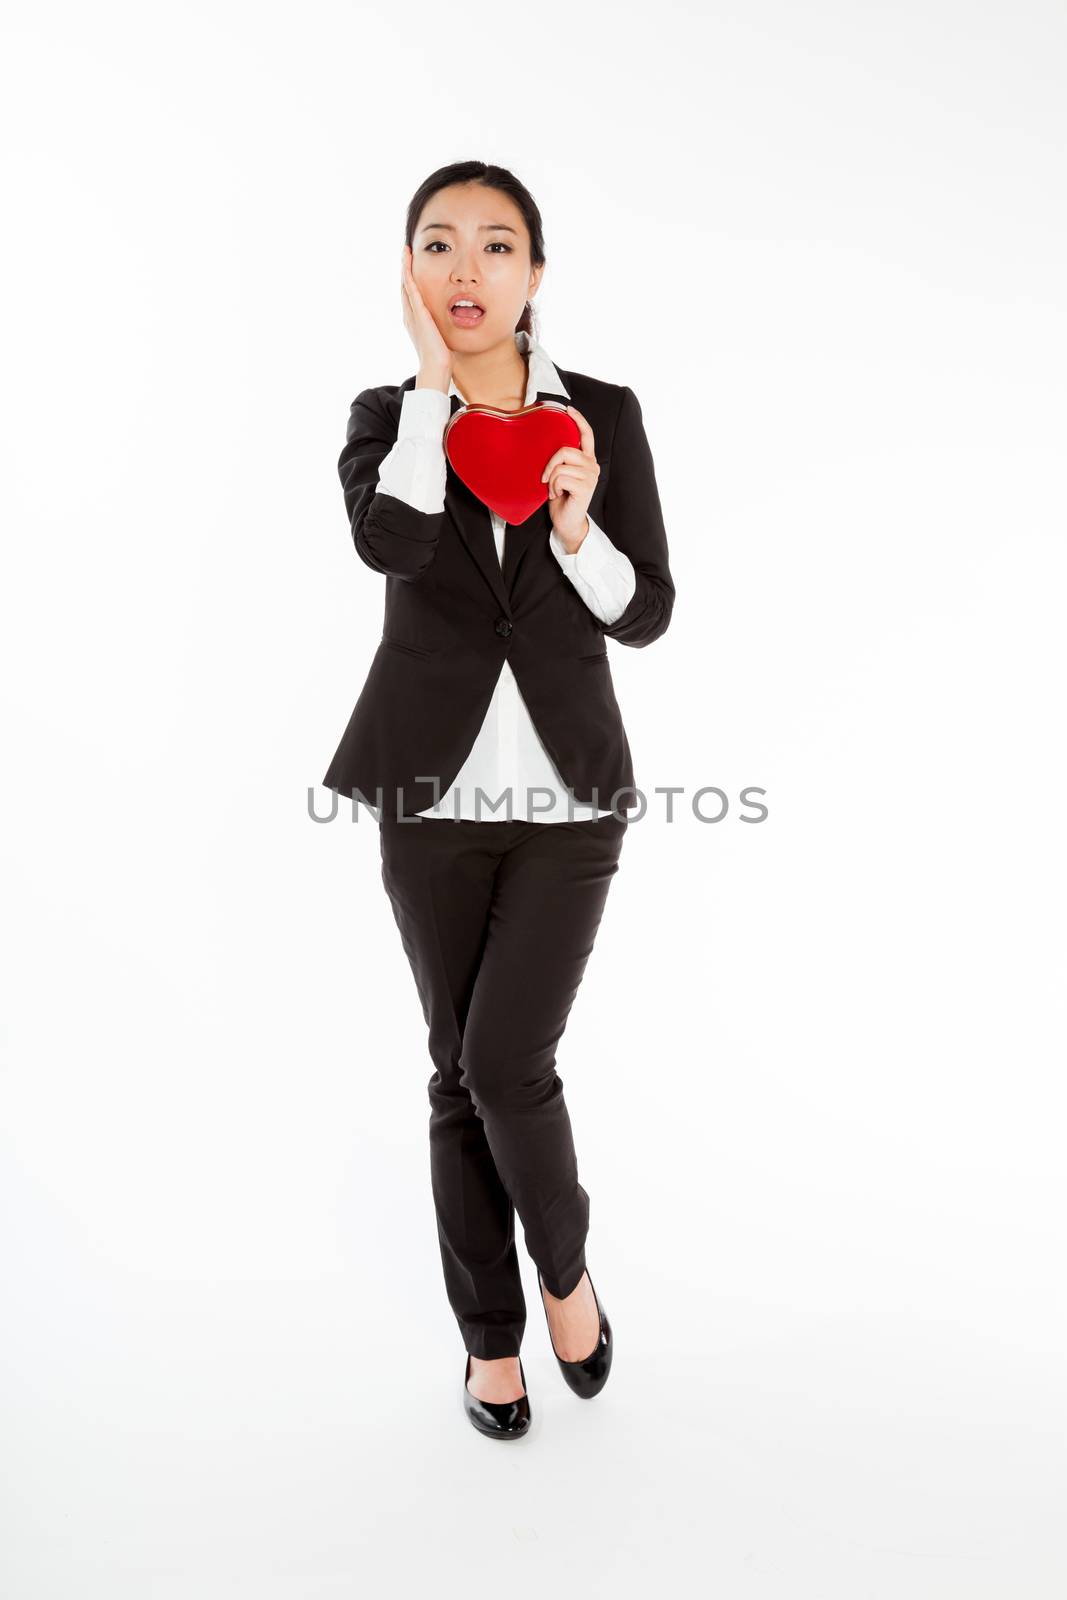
(597, 655)
(409, 649)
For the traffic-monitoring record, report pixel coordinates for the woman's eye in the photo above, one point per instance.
(494, 244)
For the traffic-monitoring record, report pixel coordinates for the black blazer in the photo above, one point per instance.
(452, 616)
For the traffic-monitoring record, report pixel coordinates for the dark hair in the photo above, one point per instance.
(492, 178)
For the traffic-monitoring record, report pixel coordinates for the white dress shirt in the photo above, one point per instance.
(508, 760)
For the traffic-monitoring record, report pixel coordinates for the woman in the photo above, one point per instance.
(491, 686)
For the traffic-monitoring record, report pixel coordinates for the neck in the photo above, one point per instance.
(496, 377)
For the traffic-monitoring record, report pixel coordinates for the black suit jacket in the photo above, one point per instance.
(452, 616)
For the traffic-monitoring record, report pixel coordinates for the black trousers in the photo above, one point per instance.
(498, 920)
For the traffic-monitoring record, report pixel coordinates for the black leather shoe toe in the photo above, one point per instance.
(586, 1377)
(505, 1419)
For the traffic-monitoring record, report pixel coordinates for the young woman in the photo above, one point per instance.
(491, 688)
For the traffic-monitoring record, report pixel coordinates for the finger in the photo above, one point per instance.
(410, 284)
(577, 472)
(566, 452)
(573, 482)
(587, 444)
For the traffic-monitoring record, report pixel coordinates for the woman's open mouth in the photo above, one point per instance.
(465, 313)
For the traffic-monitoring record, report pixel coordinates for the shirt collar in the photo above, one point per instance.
(543, 377)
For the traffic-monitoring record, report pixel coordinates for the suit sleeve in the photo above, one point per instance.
(390, 535)
(633, 521)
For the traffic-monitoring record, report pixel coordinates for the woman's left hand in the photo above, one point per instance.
(572, 474)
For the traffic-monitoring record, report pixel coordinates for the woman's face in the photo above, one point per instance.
(471, 243)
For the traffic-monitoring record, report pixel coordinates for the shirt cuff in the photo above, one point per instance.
(416, 469)
(602, 574)
(595, 558)
(424, 414)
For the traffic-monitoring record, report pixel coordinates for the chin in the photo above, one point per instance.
(466, 338)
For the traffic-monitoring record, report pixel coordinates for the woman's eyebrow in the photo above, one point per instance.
(500, 227)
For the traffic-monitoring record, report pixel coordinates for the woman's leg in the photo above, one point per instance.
(439, 876)
(498, 921)
(548, 898)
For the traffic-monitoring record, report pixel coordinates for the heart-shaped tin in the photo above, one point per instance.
(500, 455)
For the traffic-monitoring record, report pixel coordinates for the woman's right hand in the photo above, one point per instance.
(435, 358)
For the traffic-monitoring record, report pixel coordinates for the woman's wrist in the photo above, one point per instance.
(428, 379)
(570, 546)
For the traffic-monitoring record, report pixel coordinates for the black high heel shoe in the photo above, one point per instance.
(497, 1419)
(587, 1377)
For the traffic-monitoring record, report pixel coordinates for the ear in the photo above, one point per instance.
(536, 274)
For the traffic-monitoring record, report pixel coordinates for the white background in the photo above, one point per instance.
(815, 1069)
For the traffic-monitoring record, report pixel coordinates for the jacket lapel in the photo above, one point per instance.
(474, 525)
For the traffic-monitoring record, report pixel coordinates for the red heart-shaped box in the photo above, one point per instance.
(500, 455)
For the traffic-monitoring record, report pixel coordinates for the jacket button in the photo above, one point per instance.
(503, 626)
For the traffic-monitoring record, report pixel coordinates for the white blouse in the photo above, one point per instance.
(507, 756)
